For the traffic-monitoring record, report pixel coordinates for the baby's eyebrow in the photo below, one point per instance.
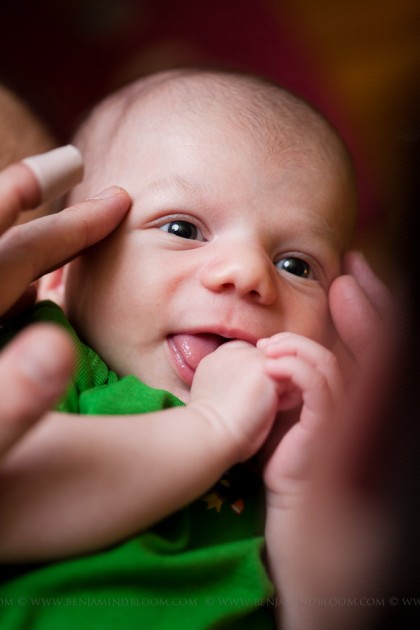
(189, 186)
(308, 225)
(195, 191)
(322, 229)
(175, 181)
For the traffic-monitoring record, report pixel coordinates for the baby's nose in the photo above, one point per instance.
(247, 271)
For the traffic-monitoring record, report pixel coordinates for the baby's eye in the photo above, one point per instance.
(296, 266)
(183, 229)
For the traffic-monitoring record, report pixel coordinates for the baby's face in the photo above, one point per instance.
(223, 241)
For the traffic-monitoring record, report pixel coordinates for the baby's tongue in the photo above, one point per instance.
(193, 348)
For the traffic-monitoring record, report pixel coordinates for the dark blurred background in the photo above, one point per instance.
(357, 61)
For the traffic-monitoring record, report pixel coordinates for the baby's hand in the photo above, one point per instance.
(233, 391)
(312, 387)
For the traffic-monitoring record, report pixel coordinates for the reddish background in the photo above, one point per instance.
(63, 55)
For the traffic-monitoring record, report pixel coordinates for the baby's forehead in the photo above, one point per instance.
(256, 105)
(256, 113)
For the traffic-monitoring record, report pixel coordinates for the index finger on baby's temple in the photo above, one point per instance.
(29, 250)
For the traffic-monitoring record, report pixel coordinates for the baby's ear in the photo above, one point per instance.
(51, 286)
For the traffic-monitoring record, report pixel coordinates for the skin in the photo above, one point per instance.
(292, 204)
(35, 367)
(228, 277)
(330, 527)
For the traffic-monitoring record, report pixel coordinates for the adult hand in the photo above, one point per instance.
(331, 546)
(368, 323)
(34, 368)
(351, 541)
(347, 523)
(29, 250)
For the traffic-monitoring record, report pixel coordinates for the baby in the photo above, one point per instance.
(214, 289)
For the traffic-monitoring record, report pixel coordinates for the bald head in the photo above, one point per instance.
(280, 125)
(276, 117)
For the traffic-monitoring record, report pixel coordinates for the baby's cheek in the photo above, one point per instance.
(320, 326)
(328, 333)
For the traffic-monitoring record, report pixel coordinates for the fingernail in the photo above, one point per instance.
(57, 171)
(108, 192)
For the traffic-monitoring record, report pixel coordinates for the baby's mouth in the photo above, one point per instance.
(187, 350)
(194, 348)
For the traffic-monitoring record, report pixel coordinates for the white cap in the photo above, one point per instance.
(57, 171)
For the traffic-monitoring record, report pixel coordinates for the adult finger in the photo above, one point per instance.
(354, 316)
(34, 370)
(375, 290)
(29, 250)
(361, 306)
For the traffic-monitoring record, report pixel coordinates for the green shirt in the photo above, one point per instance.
(199, 568)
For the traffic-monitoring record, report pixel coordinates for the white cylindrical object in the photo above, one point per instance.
(57, 171)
